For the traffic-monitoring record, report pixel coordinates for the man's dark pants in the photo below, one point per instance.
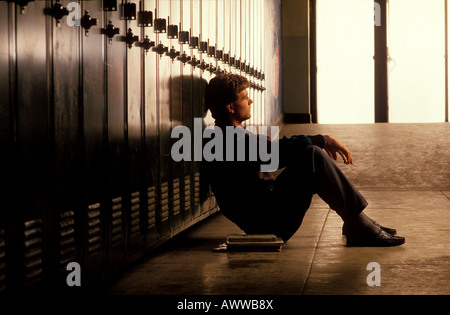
(283, 205)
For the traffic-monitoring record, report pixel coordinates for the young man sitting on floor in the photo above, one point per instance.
(260, 204)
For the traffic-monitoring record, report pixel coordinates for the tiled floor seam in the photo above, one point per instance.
(314, 254)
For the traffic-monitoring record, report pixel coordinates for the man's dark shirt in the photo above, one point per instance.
(242, 191)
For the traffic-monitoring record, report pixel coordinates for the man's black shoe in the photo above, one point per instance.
(386, 229)
(382, 239)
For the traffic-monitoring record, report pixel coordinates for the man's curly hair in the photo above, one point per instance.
(223, 89)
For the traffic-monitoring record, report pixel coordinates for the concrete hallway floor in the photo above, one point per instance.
(401, 169)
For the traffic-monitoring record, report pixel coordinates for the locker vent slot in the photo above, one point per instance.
(197, 189)
(2, 260)
(187, 192)
(151, 207)
(176, 196)
(164, 201)
(32, 250)
(116, 221)
(66, 235)
(135, 210)
(94, 229)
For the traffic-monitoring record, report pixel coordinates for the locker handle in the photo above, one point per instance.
(184, 58)
(110, 31)
(194, 62)
(211, 68)
(130, 38)
(172, 53)
(146, 44)
(160, 49)
(203, 65)
(86, 22)
(23, 5)
(58, 12)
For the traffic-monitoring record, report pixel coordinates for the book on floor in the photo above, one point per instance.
(253, 242)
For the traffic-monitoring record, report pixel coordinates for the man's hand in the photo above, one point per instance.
(336, 146)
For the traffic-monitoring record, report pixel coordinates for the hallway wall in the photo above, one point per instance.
(85, 120)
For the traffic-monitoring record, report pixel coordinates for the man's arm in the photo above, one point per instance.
(333, 146)
(290, 146)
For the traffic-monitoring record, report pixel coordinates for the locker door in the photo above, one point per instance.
(165, 124)
(227, 5)
(117, 108)
(151, 130)
(220, 33)
(197, 101)
(134, 136)
(66, 122)
(33, 144)
(176, 107)
(233, 34)
(6, 158)
(208, 34)
(95, 176)
(187, 110)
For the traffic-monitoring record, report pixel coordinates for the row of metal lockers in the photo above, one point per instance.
(90, 91)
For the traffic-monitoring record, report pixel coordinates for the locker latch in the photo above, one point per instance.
(242, 66)
(146, 44)
(203, 65)
(129, 11)
(183, 37)
(226, 58)
(22, 4)
(172, 31)
(184, 58)
(203, 48)
(194, 62)
(219, 54)
(145, 18)
(58, 12)
(193, 42)
(219, 71)
(160, 49)
(172, 53)
(159, 25)
(109, 5)
(211, 68)
(130, 38)
(211, 51)
(110, 31)
(232, 61)
(86, 22)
